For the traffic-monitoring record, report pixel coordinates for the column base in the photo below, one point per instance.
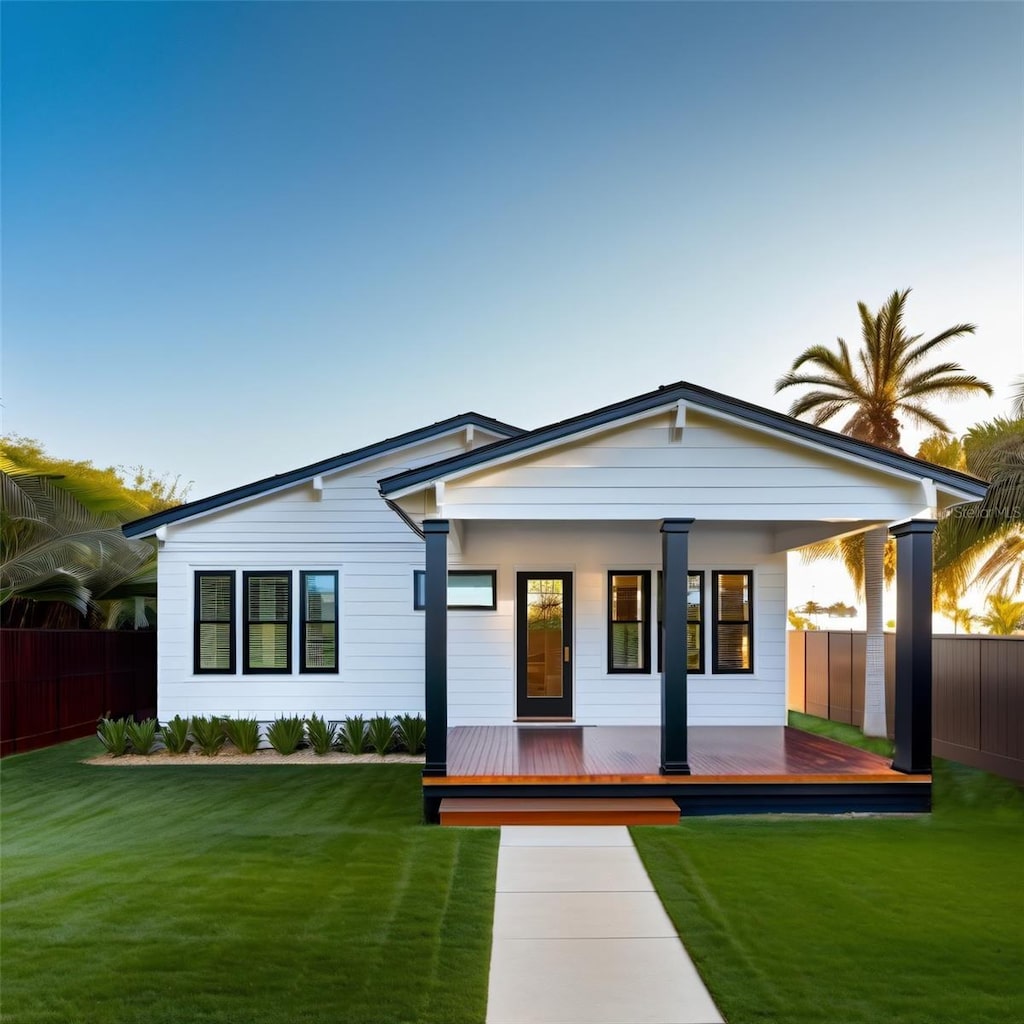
(435, 768)
(922, 768)
(675, 768)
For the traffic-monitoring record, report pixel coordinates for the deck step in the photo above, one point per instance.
(554, 811)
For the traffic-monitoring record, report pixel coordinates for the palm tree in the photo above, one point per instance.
(56, 553)
(1004, 617)
(888, 378)
(983, 541)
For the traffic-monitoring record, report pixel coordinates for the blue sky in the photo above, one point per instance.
(243, 237)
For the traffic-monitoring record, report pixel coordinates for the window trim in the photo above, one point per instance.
(716, 667)
(699, 623)
(645, 622)
(419, 603)
(198, 575)
(304, 669)
(247, 624)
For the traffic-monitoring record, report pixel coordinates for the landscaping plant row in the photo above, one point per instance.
(355, 735)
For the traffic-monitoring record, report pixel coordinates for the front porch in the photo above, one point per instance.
(733, 770)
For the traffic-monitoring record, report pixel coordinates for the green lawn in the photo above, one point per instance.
(915, 920)
(263, 895)
(283, 895)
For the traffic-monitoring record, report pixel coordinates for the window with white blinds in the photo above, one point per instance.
(629, 635)
(694, 621)
(267, 603)
(214, 647)
(732, 638)
(319, 622)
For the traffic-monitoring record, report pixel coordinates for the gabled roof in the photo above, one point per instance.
(702, 398)
(140, 527)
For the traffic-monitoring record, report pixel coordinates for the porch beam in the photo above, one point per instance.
(435, 532)
(675, 535)
(913, 725)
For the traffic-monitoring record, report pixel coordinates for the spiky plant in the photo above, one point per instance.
(244, 733)
(322, 734)
(113, 734)
(142, 735)
(285, 734)
(382, 733)
(209, 734)
(412, 732)
(353, 734)
(175, 735)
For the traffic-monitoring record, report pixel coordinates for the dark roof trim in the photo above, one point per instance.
(699, 396)
(272, 483)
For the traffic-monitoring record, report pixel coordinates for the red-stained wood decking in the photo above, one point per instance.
(573, 811)
(497, 755)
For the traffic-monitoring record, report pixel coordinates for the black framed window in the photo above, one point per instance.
(318, 621)
(467, 589)
(629, 634)
(694, 621)
(268, 627)
(732, 626)
(214, 643)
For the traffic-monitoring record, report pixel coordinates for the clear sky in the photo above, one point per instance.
(238, 238)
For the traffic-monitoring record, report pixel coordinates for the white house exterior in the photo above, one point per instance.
(571, 513)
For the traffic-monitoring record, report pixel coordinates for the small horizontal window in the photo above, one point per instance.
(467, 588)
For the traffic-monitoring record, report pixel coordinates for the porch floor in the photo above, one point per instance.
(734, 770)
(632, 754)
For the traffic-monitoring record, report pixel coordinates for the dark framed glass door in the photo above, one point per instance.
(544, 654)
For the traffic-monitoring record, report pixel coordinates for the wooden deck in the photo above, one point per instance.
(733, 769)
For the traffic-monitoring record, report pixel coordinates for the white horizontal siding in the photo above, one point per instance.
(381, 664)
(713, 470)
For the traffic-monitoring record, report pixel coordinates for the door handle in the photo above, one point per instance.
(565, 655)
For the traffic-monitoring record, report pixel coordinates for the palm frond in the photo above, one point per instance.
(914, 353)
(921, 414)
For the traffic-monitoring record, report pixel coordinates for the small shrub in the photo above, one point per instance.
(322, 734)
(113, 734)
(244, 733)
(286, 733)
(353, 734)
(142, 735)
(412, 732)
(208, 734)
(382, 733)
(175, 735)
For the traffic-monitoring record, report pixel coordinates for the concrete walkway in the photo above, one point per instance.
(581, 937)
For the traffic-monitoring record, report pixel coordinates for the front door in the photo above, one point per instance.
(544, 645)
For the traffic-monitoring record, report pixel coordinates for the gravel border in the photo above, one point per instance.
(230, 756)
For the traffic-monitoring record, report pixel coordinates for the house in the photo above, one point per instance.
(624, 568)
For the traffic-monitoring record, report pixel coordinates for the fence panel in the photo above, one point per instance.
(977, 692)
(55, 684)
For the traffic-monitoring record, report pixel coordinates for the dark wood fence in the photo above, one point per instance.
(977, 692)
(55, 683)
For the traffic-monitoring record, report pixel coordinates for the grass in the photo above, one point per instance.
(269, 895)
(902, 920)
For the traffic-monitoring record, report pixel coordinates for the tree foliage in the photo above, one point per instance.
(887, 378)
(983, 541)
(63, 558)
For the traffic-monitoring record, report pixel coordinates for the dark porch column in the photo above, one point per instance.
(675, 534)
(436, 646)
(913, 724)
